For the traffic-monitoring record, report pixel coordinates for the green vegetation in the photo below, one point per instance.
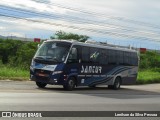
(15, 59)
(149, 60)
(148, 76)
(15, 53)
(69, 36)
(13, 73)
(149, 68)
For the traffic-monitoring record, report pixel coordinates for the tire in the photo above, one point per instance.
(70, 84)
(41, 85)
(117, 83)
(64, 86)
(110, 86)
(93, 86)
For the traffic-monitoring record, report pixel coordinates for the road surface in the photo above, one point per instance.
(26, 96)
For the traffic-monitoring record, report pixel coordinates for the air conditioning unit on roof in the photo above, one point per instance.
(91, 41)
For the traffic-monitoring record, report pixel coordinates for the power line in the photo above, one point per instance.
(102, 15)
(79, 28)
(28, 12)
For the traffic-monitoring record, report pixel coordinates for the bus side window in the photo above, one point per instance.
(129, 58)
(120, 58)
(94, 55)
(132, 59)
(103, 57)
(85, 55)
(109, 56)
(135, 59)
(112, 57)
(126, 59)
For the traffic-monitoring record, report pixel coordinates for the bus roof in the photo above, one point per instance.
(74, 42)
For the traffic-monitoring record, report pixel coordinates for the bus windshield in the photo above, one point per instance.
(52, 52)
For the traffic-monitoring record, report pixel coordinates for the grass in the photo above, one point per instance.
(13, 73)
(148, 76)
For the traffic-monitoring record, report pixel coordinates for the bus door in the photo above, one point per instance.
(73, 63)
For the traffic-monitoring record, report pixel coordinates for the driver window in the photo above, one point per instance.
(73, 57)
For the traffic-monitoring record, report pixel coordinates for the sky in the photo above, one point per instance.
(120, 22)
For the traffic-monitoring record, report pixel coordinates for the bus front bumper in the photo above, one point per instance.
(52, 81)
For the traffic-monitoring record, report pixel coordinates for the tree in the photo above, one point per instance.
(8, 48)
(150, 59)
(17, 53)
(69, 36)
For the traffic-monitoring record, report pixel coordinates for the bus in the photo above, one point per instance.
(72, 64)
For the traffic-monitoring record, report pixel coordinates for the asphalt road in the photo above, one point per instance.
(26, 96)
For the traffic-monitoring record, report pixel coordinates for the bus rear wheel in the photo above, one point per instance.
(116, 85)
(70, 84)
(41, 85)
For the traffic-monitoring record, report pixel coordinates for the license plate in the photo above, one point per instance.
(43, 75)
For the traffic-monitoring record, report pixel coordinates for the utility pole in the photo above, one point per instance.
(11, 36)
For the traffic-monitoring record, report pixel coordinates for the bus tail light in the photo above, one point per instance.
(65, 77)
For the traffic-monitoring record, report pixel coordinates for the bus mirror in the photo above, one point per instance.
(38, 45)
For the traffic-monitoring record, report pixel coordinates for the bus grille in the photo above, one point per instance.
(42, 74)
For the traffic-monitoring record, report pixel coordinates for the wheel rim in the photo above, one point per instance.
(71, 83)
(117, 84)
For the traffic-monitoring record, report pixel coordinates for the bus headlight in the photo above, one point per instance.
(57, 72)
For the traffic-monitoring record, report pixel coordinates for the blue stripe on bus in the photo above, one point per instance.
(118, 70)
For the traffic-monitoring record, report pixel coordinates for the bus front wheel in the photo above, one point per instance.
(41, 85)
(70, 84)
(92, 86)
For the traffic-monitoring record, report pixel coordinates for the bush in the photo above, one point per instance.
(8, 48)
(25, 54)
(16, 53)
(150, 59)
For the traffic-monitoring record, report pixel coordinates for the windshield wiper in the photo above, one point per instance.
(49, 58)
(54, 59)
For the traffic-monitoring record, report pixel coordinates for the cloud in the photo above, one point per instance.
(26, 26)
(104, 20)
(32, 5)
(2, 28)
